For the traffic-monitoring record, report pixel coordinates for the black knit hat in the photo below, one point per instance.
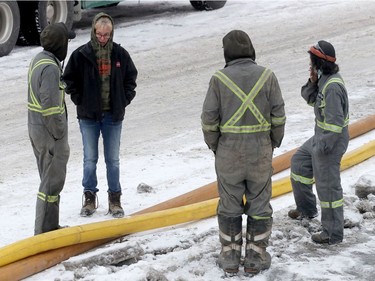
(324, 50)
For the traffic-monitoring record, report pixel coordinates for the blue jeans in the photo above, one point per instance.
(111, 134)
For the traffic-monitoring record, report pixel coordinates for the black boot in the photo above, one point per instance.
(230, 229)
(90, 204)
(115, 205)
(257, 236)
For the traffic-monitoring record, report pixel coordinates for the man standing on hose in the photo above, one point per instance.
(320, 156)
(243, 120)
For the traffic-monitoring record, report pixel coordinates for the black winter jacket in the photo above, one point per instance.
(83, 82)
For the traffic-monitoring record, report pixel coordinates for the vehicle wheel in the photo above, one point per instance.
(36, 15)
(9, 26)
(207, 5)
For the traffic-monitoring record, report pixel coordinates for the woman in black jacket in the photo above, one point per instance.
(101, 79)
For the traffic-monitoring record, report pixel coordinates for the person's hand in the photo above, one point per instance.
(313, 75)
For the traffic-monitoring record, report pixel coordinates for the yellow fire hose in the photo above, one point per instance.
(17, 255)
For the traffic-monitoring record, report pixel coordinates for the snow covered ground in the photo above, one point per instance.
(176, 50)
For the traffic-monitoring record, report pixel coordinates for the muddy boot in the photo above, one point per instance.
(230, 231)
(89, 204)
(257, 236)
(115, 208)
(297, 215)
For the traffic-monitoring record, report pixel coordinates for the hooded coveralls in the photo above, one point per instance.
(48, 132)
(243, 119)
(320, 156)
(47, 125)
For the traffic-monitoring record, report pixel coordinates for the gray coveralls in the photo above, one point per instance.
(242, 144)
(48, 132)
(243, 119)
(319, 157)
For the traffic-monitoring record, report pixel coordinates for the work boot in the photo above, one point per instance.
(89, 204)
(319, 238)
(297, 215)
(257, 236)
(322, 238)
(230, 233)
(115, 208)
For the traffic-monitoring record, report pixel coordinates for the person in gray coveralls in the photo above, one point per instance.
(47, 123)
(243, 121)
(318, 159)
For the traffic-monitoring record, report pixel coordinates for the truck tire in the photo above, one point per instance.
(36, 15)
(9, 26)
(207, 5)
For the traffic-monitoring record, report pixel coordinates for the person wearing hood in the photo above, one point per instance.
(318, 159)
(47, 123)
(101, 81)
(243, 121)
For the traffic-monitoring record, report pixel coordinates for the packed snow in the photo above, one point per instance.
(176, 50)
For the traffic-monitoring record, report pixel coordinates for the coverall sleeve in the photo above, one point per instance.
(309, 92)
(210, 117)
(277, 113)
(51, 98)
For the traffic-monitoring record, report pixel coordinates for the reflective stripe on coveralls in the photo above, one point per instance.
(233, 245)
(247, 103)
(332, 205)
(302, 179)
(50, 198)
(35, 105)
(330, 127)
(250, 238)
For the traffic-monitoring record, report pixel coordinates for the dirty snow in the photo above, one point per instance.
(176, 50)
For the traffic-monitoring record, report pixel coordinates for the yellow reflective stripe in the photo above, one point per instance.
(330, 81)
(329, 127)
(245, 129)
(301, 179)
(48, 111)
(322, 124)
(247, 103)
(50, 198)
(247, 100)
(34, 104)
(31, 70)
(213, 128)
(278, 120)
(231, 85)
(332, 205)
